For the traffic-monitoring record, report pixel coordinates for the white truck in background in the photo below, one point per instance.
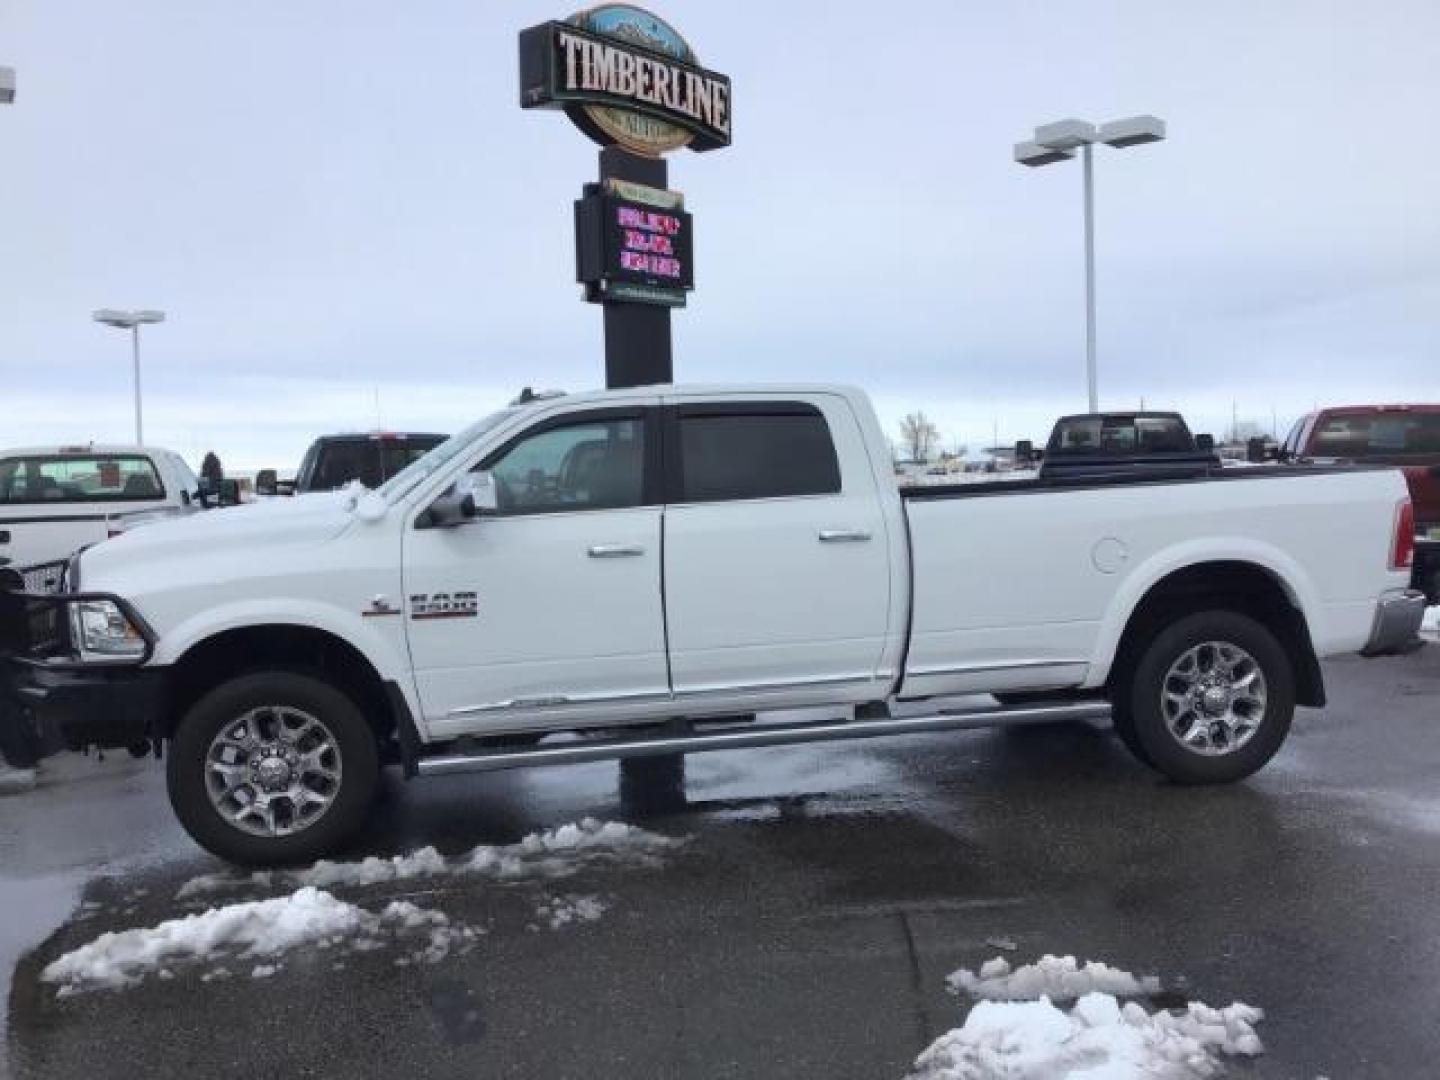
(55, 500)
(654, 567)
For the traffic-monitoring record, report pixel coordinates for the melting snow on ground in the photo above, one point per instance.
(1017, 1032)
(560, 911)
(555, 853)
(1059, 978)
(261, 931)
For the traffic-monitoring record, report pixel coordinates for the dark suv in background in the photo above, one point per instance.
(334, 460)
(1406, 436)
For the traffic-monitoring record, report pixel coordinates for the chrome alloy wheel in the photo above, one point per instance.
(1213, 698)
(273, 771)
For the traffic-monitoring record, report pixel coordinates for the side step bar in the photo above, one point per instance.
(693, 741)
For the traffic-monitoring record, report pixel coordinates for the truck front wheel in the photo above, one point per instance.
(1211, 698)
(272, 768)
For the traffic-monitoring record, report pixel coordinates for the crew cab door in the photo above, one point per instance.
(551, 603)
(777, 558)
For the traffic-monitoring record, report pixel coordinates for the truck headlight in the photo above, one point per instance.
(101, 631)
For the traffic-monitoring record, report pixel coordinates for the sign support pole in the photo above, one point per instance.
(637, 336)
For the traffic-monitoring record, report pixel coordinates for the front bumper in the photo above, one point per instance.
(1396, 629)
(74, 708)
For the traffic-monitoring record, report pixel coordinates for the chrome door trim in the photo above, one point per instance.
(777, 684)
(997, 665)
(553, 701)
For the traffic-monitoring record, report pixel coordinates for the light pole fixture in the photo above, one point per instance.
(132, 321)
(1058, 142)
(7, 86)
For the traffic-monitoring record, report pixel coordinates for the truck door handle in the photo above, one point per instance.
(844, 536)
(614, 551)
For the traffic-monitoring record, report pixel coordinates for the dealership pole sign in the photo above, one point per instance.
(628, 80)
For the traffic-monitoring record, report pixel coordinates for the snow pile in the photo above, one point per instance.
(1059, 978)
(1431, 625)
(1097, 1037)
(560, 911)
(554, 853)
(259, 930)
(561, 852)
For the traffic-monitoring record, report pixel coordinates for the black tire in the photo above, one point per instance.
(1122, 719)
(1143, 717)
(351, 800)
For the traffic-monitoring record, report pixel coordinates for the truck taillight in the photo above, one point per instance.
(1402, 552)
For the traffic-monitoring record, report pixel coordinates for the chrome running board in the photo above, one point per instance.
(696, 738)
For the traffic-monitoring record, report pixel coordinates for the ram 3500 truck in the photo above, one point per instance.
(653, 567)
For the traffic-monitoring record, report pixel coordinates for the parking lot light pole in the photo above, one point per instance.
(132, 321)
(1058, 142)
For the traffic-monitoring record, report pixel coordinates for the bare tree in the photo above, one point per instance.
(918, 435)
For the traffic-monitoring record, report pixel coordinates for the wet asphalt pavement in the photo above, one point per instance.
(806, 928)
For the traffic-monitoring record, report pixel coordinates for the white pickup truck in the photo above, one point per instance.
(54, 500)
(654, 567)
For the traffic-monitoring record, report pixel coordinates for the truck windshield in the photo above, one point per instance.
(67, 478)
(1375, 434)
(399, 485)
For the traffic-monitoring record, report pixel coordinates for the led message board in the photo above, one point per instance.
(634, 243)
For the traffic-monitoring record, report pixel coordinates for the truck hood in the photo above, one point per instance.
(282, 522)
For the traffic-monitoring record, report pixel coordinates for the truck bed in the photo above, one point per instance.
(1032, 593)
(1188, 474)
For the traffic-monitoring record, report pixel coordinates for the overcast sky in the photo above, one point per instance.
(342, 203)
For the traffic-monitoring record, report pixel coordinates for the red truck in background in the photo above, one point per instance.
(1406, 436)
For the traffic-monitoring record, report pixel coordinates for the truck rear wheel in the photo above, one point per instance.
(272, 768)
(1210, 700)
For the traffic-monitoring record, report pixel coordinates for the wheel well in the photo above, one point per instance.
(294, 648)
(1231, 586)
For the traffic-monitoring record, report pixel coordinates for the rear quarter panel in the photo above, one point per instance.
(1035, 588)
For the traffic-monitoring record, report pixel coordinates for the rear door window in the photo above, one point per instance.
(1377, 434)
(774, 452)
(79, 478)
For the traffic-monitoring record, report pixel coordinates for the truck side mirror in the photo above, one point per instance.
(456, 506)
(485, 492)
(267, 482)
(1205, 443)
(205, 494)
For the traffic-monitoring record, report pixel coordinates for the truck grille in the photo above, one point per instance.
(31, 624)
(46, 578)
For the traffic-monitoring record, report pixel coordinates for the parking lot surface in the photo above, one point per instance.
(804, 927)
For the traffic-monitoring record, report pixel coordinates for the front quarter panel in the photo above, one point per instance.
(348, 586)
